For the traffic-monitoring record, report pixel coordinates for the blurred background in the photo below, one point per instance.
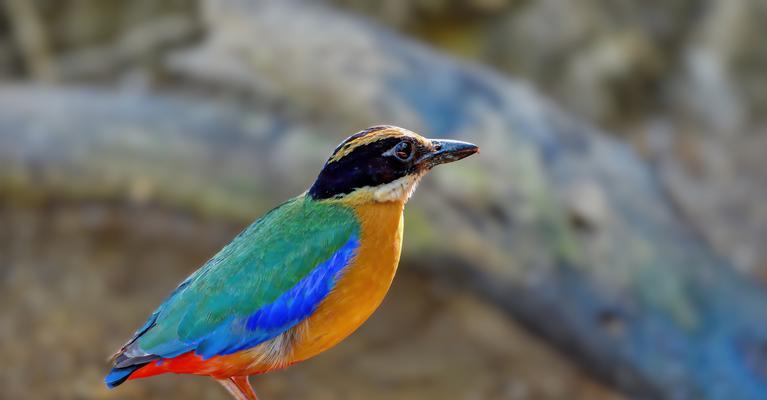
(608, 242)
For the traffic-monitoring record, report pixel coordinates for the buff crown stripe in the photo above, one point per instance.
(370, 138)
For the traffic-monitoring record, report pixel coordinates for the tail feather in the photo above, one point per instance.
(119, 375)
(125, 362)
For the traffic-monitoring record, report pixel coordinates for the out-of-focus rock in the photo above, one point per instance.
(696, 68)
(92, 39)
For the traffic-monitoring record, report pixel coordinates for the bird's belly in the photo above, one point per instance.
(365, 282)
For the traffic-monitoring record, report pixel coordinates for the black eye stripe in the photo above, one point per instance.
(366, 165)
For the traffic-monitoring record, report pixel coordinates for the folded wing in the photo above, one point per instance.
(272, 276)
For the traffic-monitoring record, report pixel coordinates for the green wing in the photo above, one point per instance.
(269, 278)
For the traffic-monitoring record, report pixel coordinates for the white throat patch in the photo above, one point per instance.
(400, 189)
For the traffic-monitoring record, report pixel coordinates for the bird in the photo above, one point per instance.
(298, 280)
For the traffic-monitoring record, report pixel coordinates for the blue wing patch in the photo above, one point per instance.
(285, 312)
(293, 306)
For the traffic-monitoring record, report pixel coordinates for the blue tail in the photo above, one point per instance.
(119, 375)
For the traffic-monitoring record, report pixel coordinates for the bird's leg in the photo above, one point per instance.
(243, 383)
(239, 387)
(232, 388)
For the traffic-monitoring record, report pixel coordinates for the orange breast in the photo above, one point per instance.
(363, 286)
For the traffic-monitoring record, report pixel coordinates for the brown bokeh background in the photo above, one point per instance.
(85, 256)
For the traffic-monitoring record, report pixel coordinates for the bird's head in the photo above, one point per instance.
(383, 163)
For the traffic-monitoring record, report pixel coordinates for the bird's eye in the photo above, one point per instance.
(404, 151)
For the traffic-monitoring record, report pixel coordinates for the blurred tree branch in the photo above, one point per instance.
(29, 32)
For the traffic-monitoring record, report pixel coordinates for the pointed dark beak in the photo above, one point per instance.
(447, 151)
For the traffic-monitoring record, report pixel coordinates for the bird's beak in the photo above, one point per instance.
(447, 151)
